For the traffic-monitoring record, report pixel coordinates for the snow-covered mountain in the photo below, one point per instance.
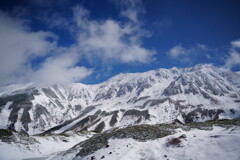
(198, 93)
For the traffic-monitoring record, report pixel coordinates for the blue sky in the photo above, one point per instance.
(89, 41)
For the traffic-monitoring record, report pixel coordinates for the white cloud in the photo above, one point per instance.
(109, 39)
(130, 14)
(177, 51)
(235, 44)
(184, 54)
(61, 70)
(19, 47)
(131, 9)
(234, 56)
(232, 60)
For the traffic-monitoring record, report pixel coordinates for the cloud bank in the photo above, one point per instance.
(109, 39)
(18, 46)
(61, 70)
(28, 55)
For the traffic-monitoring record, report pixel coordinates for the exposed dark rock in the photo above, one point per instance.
(234, 95)
(207, 125)
(59, 104)
(173, 89)
(106, 95)
(83, 113)
(19, 101)
(77, 108)
(156, 102)
(59, 93)
(6, 135)
(48, 92)
(3, 101)
(25, 119)
(141, 86)
(135, 99)
(100, 127)
(191, 89)
(206, 95)
(138, 114)
(113, 120)
(203, 113)
(40, 110)
(86, 122)
(183, 136)
(122, 110)
(177, 121)
(172, 141)
(112, 113)
(124, 89)
(237, 101)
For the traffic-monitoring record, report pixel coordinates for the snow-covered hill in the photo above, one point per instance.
(198, 93)
(217, 143)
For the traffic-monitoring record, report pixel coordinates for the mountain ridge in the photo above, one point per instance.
(198, 93)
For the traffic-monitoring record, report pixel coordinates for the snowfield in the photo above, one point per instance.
(40, 146)
(217, 144)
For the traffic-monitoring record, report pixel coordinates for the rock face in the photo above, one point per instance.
(192, 94)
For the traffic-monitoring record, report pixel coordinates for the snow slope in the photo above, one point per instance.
(217, 144)
(198, 93)
(22, 147)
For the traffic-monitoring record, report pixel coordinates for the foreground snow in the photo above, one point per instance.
(40, 146)
(217, 144)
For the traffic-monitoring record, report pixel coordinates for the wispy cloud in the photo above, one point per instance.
(233, 59)
(19, 47)
(183, 54)
(162, 24)
(61, 69)
(131, 9)
(235, 44)
(107, 41)
(177, 51)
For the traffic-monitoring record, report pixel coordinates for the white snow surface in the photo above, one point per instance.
(4, 115)
(44, 147)
(217, 144)
(130, 91)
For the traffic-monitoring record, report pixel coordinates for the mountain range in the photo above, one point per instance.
(176, 95)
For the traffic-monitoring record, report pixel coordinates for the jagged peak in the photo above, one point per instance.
(123, 78)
